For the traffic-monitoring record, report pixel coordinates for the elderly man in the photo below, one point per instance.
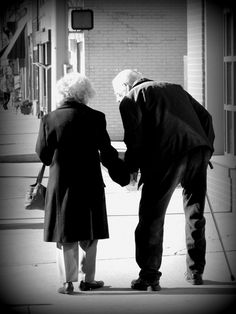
(169, 138)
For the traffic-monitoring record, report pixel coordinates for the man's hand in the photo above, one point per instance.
(133, 184)
(133, 178)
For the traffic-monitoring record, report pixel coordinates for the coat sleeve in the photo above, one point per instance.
(133, 132)
(205, 120)
(109, 157)
(44, 145)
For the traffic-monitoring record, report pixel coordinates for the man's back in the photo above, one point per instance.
(170, 124)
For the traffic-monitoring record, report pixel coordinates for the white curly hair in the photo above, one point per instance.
(74, 86)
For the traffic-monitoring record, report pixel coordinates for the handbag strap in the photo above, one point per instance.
(40, 175)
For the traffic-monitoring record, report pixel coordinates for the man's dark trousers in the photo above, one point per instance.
(191, 172)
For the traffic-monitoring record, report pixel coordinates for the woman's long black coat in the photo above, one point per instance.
(72, 140)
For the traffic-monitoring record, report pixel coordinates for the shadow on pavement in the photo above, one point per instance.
(199, 290)
(26, 225)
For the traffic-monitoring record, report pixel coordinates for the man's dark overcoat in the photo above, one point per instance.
(72, 140)
(162, 123)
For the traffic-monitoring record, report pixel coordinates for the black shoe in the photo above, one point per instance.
(86, 286)
(194, 278)
(67, 288)
(144, 285)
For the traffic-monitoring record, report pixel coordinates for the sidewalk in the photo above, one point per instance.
(18, 134)
(28, 265)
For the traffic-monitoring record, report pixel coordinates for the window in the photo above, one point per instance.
(230, 81)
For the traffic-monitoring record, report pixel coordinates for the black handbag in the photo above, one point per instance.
(35, 196)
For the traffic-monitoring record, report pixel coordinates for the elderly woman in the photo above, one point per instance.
(72, 140)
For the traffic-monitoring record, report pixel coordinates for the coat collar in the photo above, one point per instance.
(71, 104)
(140, 81)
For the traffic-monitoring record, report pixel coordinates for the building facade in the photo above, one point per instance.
(189, 42)
(149, 36)
(211, 75)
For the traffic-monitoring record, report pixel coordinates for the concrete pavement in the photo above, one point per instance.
(28, 265)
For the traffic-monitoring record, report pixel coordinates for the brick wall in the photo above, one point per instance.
(195, 59)
(146, 35)
(221, 187)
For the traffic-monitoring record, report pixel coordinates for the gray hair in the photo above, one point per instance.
(74, 86)
(125, 77)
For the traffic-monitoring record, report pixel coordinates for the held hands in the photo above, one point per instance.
(133, 178)
(133, 185)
